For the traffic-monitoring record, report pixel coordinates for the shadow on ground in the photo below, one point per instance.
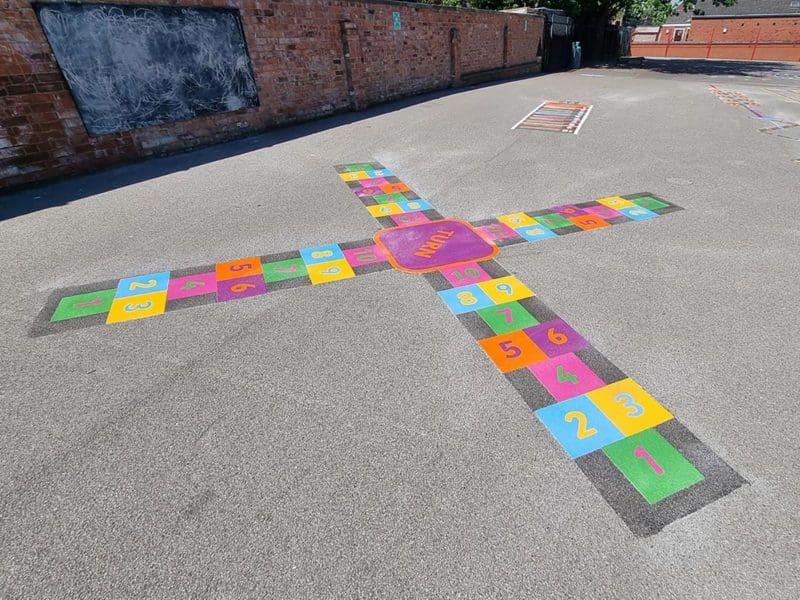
(58, 192)
(699, 66)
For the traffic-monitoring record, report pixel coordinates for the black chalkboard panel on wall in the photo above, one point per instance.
(133, 66)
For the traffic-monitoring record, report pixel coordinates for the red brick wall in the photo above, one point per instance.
(747, 30)
(296, 50)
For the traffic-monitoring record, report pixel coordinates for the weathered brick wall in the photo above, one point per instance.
(296, 48)
(746, 30)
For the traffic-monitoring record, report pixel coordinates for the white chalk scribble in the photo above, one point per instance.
(130, 67)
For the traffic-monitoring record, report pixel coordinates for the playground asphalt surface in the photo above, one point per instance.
(351, 439)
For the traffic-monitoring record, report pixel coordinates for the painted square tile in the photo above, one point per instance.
(192, 285)
(511, 316)
(566, 376)
(244, 287)
(505, 289)
(655, 468)
(556, 337)
(321, 254)
(637, 213)
(143, 284)
(511, 351)
(83, 305)
(282, 270)
(578, 426)
(409, 218)
(365, 255)
(535, 233)
(243, 267)
(466, 274)
(330, 271)
(629, 406)
(465, 299)
(139, 306)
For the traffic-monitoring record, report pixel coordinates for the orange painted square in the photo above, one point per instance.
(391, 188)
(239, 268)
(512, 351)
(589, 222)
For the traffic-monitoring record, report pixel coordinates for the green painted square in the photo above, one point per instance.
(498, 317)
(359, 167)
(649, 203)
(385, 198)
(83, 305)
(668, 473)
(284, 269)
(554, 221)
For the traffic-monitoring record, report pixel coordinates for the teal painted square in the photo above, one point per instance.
(142, 284)
(637, 213)
(578, 425)
(534, 233)
(379, 173)
(321, 254)
(465, 299)
(414, 205)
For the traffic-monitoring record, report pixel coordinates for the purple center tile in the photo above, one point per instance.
(433, 245)
(243, 287)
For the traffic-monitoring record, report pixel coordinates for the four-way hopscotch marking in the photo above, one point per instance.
(647, 466)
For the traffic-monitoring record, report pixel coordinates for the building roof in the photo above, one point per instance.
(742, 8)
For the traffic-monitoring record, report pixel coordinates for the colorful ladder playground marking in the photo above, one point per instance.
(565, 117)
(648, 467)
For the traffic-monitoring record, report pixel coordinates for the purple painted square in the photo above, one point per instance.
(496, 231)
(243, 287)
(566, 376)
(192, 285)
(433, 245)
(556, 337)
(604, 212)
(370, 190)
(568, 210)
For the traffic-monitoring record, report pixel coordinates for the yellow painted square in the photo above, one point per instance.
(629, 406)
(519, 219)
(354, 176)
(330, 271)
(616, 202)
(505, 289)
(384, 210)
(137, 307)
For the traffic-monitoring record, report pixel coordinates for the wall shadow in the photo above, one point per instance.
(701, 66)
(58, 192)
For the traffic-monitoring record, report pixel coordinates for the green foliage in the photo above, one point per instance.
(654, 12)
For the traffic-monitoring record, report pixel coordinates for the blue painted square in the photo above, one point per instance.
(414, 205)
(142, 284)
(465, 299)
(576, 417)
(637, 213)
(534, 233)
(396, 20)
(321, 254)
(378, 173)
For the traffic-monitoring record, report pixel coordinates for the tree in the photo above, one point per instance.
(652, 12)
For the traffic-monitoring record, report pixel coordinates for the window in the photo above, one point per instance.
(678, 35)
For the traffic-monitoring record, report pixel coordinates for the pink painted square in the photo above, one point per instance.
(409, 218)
(566, 376)
(465, 274)
(496, 231)
(604, 212)
(365, 255)
(372, 182)
(192, 285)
